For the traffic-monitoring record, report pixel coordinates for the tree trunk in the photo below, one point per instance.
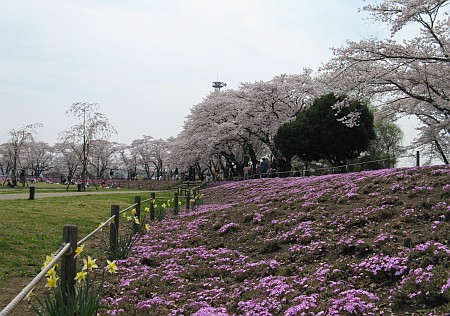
(253, 158)
(441, 151)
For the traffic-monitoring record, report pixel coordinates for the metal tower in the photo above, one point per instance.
(217, 85)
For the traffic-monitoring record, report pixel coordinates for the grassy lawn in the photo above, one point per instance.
(30, 230)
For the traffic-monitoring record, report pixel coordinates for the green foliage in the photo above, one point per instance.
(319, 133)
(160, 212)
(196, 201)
(123, 247)
(84, 301)
(387, 143)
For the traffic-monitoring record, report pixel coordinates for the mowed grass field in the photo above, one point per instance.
(32, 229)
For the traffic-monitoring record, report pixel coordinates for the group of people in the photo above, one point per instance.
(264, 169)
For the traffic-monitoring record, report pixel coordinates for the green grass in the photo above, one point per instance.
(32, 229)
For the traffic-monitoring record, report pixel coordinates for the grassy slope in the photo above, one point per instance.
(372, 242)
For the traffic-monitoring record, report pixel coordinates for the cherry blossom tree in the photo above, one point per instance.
(101, 156)
(13, 149)
(39, 157)
(92, 126)
(409, 77)
(150, 154)
(232, 127)
(68, 159)
(127, 160)
(5, 162)
(268, 105)
(213, 139)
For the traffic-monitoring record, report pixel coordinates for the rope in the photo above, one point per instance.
(33, 283)
(82, 241)
(126, 209)
(58, 254)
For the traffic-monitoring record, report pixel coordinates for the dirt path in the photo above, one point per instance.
(11, 288)
(40, 195)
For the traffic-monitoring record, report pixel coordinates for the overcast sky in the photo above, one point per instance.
(147, 62)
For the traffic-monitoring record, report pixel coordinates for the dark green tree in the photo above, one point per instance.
(332, 128)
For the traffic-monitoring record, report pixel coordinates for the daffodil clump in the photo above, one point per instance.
(160, 210)
(89, 265)
(52, 276)
(196, 201)
(85, 300)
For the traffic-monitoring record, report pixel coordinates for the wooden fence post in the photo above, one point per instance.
(152, 206)
(32, 191)
(68, 262)
(188, 199)
(417, 159)
(114, 229)
(137, 201)
(175, 203)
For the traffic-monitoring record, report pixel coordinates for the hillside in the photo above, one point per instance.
(368, 243)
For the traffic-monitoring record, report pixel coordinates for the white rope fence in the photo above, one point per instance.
(126, 209)
(58, 254)
(7, 310)
(82, 241)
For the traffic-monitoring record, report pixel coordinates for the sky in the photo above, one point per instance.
(147, 62)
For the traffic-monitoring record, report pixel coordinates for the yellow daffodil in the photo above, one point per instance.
(133, 211)
(147, 209)
(179, 203)
(79, 250)
(156, 205)
(52, 282)
(112, 267)
(164, 205)
(124, 214)
(89, 264)
(100, 224)
(136, 220)
(81, 276)
(29, 295)
(51, 272)
(147, 227)
(129, 218)
(48, 259)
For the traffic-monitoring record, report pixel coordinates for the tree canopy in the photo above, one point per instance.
(323, 131)
(409, 76)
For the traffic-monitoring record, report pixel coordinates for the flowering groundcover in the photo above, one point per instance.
(368, 243)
